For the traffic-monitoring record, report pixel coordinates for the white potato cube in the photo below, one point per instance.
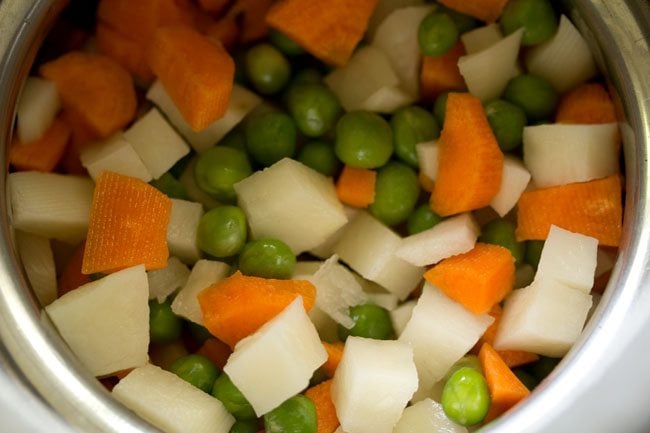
(157, 143)
(401, 315)
(182, 230)
(170, 403)
(372, 384)
(426, 416)
(514, 181)
(327, 328)
(106, 322)
(326, 249)
(204, 274)
(481, 38)
(51, 205)
(37, 107)
(385, 8)
(192, 189)
(368, 247)
(386, 300)
(277, 361)
(428, 158)
(36, 254)
(114, 154)
(303, 219)
(163, 282)
(305, 269)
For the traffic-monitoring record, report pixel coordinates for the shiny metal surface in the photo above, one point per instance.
(595, 389)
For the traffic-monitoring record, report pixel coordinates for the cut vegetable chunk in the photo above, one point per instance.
(44, 153)
(356, 186)
(484, 10)
(182, 230)
(114, 154)
(481, 38)
(514, 181)
(426, 416)
(385, 8)
(71, 276)
(39, 102)
(428, 159)
(37, 258)
(204, 274)
(126, 51)
(334, 355)
(401, 315)
(441, 74)
(326, 418)
(586, 104)
(167, 280)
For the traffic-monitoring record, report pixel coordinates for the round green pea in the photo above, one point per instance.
(437, 34)
(363, 139)
(164, 325)
(170, 186)
(370, 321)
(396, 193)
(466, 397)
(267, 258)
(284, 43)
(222, 231)
(267, 68)
(440, 107)
(314, 107)
(533, 253)
(412, 125)
(533, 94)
(296, 415)
(232, 398)
(507, 122)
(421, 219)
(320, 156)
(270, 136)
(218, 169)
(197, 370)
(537, 17)
(470, 361)
(245, 427)
(502, 232)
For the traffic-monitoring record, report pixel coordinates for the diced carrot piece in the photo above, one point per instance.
(485, 10)
(326, 419)
(586, 104)
(125, 51)
(197, 73)
(42, 154)
(71, 277)
(470, 162)
(225, 31)
(506, 389)
(82, 134)
(128, 225)
(216, 351)
(328, 29)
(96, 87)
(356, 186)
(239, 305)
(477, 279)
(441, 74)
(334, 355)
(591, 208)
(253, 18)
(214, 7)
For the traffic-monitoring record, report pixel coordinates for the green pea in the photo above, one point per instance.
(465, 397)
(370, 321)
(307, 76)
(543, 367)
(222, 231)
(267, 68)
(412, 125)
(464, 23)
(537, 17)
(533, 253)
(296, 415)
(232, 398)
(396, 193)
(218, 169)
(533, 94)
(284, 43)
(270, 136)
(169, 185)
(526, 378)
(314, 107)
(440, 107)
(245, 427)
(164, 325)
(470, 361)
(507, 121)
(502, 232)
(421, 219)
(235, 138)
(363, 139)
(320, 156)
(437, 34)
(197, 370)
(267, 258)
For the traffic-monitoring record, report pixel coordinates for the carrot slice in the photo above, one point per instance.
(96, 87)
(477, 279)
(124, 50)
(588, 103)
(197, 73)
(253, 18)
(485, 10)
(326, 419)
(441, 74)
(506, 389)
(42, 154)
(216, 351)
(214, 7)
(71, 277)
(356, 186)
(469, 159)
(334, 355)
(239, 305)
(592, 208)
(328, 29)
(225, 31)
(128, 225)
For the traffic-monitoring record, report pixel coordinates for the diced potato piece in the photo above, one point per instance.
(204, 274)
(163, 282)
(51, 205)
(401, 315)
(158, 145)
(114, 154)
(481, 38)
(36, 254)
(455, 235)
(277, 361)
(326, 249)
(372, 384)
(368, 247)
(170, 403)
(106, 322)
(327, 328)
(426, 416)
(428, 158)
(305, 269)
(39, 102)
(386, 300)
(385, 8)
(192, 189)
(303, 219)
(514, 181)
(182, 230)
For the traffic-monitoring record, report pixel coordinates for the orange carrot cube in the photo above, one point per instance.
(125, 51)
(441, 74)
(326, 419)
(334, 355)
(253, 18)
(485, 10)
(356, 186)
(42, 154)
(216, 351)
(71, 276)
(586, 104)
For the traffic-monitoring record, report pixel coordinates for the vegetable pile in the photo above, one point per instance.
(361, 216)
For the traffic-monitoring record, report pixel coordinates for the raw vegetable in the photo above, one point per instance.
(164, 325)
(114, 154)
(297, 414)
(321, 396)
(533, 94)
(218, 169)
(314, 107)
(38, 259)
(222, 231)
(507, 122)
(44, 153)
(536, 17)
(71, 277)
(37, 108)
(182, 230)
(197, 370)
(421, 219)
(502, 232)
(426, 416)
(441, 74)
(484, 10)
(270, 136)
(356, 186)
(370, 321)
(465, 397)
(216, 351)
(412, 125)
(363, 139)
(320, 156)
(267, 68)
(267, 258)
(232, 398)
(396, 193)
(588, 103)
(437, 34)
(334, 355)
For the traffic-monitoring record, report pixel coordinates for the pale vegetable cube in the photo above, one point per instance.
(372, 384)
(387, 301)
(565, 60)
(163, 282)
(569, 258)
(441, 331)
(368, 247)
(385, 8)
(558, 154)
(51, 205)
(204, 274)
(182, 230)
(241, 102)
(514, 181)
(36, 254)
(387, 100)
(426, 416)
(546, 317)
(157, 143)
(114, 154)
(192, 189)
(428, 158)
(38, 104)
(106, 322)
(455, 235)
(277, 361)
(303, 219)
(170, 403)
(327, 328)
(305, 269)
(481, 38)
(401, 315)
(326, 249)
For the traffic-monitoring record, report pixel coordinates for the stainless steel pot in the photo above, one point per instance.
(602, 385)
